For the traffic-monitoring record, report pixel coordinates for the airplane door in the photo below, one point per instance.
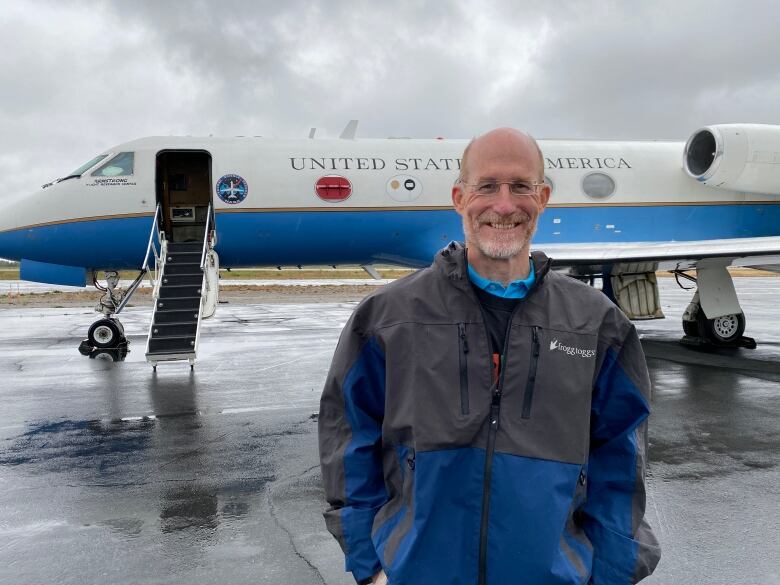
(183, 185)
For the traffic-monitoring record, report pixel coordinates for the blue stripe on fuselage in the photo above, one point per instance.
(335, 237)
(657, 223)
(102, 243)
(413, 237)
(393, 236)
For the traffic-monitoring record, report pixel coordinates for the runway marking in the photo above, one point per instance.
(112, 420)
(308, 355)
(658, 513)
(33, 527)
(13, 427)
(236, 410)
(244, 409)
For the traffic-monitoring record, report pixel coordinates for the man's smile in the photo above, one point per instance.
(502, 226)
(503, 223)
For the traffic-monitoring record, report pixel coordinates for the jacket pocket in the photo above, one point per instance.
(581, 491)
(402, 520)
(463, 361)
(576, 546)
(528, 395)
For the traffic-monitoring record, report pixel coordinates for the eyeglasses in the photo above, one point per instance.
(490, 187)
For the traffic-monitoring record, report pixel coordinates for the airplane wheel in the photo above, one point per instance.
(104, 333)
(725, 330)
(690, 328)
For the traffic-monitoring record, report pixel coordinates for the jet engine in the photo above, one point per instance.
(737, 157)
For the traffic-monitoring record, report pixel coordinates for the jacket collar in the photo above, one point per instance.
(452, 262)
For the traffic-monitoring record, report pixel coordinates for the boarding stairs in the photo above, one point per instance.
(185, 293)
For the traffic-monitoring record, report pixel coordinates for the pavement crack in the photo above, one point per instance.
(106, 484)
(275, 517)
(182, 456)
(312, 468)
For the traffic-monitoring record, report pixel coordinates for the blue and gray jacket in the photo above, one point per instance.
(439, 474)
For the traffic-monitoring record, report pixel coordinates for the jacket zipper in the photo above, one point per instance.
(464, 368)
(528, 397)
(495, 413)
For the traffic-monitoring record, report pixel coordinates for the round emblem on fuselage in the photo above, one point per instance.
(404, 188)
(232, 189)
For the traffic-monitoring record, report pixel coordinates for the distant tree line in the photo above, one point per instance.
(8, 263)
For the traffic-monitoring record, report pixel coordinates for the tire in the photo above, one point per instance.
(724, 330)
(104, 333)
(104, 356)
(690, 328)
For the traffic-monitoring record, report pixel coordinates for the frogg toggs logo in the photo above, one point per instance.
(585, 353)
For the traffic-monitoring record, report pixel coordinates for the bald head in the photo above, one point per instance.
(501, 144)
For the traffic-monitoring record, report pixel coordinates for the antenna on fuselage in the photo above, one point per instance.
(312, 132)
(349, 130)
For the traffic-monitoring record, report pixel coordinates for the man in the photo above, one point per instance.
(483, 420)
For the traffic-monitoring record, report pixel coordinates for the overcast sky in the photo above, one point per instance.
(79, 77)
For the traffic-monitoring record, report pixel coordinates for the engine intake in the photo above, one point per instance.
(737, 157)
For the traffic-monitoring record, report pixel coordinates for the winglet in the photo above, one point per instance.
(349, 130)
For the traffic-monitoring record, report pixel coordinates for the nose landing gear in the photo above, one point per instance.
(108, 332)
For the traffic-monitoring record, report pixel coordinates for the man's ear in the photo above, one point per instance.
(457, 196)
(544, 195)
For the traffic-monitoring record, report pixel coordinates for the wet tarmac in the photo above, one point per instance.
(112, 473)
(15, 287)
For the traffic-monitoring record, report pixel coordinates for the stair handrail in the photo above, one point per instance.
(203, 294)
(150, 247)
(145, 266)
(159, 267)
(207, 236)
(129, 293)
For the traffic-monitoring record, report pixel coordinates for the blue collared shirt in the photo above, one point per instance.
(517, 289)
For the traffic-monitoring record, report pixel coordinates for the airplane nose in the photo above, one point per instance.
(10, 236)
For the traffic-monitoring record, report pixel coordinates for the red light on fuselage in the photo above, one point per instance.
(333, 188)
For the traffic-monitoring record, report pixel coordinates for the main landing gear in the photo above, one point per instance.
(107, 333)
(721, 331)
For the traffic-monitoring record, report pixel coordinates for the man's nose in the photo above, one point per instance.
(503, 201)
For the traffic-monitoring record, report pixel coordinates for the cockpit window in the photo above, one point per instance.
(85, 167)
(121, 164)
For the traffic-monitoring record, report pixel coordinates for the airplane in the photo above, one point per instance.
(176, 208)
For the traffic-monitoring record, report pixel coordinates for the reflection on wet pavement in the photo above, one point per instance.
(122, 474)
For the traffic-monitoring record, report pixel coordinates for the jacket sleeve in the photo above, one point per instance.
(624, 547)
(350, 434)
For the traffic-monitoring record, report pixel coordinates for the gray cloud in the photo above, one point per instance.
(82, 76)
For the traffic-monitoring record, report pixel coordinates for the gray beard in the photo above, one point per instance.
(503, 246)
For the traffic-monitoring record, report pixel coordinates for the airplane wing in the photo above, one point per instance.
(762, 253)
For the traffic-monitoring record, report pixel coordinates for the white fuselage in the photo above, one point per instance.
(384, 200)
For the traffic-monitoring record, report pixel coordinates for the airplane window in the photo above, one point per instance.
(85, 167)
(121, 164)
(598, 185)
